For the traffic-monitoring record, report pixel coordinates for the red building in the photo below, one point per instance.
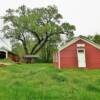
(5, 54)
(78, 53)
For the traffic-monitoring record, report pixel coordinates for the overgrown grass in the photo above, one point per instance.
(45, 82)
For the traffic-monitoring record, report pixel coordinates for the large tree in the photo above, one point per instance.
(39, 25)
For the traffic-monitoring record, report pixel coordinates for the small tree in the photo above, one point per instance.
(96, 39)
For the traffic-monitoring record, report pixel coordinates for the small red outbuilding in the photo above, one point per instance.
(79, 52)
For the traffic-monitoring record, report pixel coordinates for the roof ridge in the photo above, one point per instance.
(89, 40)
(84, 39)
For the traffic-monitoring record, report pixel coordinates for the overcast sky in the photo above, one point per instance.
(84, 14)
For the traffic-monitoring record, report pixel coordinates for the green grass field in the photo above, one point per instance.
(45, 82)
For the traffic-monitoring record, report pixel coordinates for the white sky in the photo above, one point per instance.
(84, 14)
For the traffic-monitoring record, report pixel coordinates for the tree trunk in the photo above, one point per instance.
(38, 47)
(25, 48)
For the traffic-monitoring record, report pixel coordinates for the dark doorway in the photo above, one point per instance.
(2, 55)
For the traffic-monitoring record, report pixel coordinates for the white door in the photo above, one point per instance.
(81, 58)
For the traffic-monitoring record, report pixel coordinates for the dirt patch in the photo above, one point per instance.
(3, 64)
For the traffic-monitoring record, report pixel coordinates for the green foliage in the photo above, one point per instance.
(46, 53)
(38, 25)
(17, 48)
(96, 39)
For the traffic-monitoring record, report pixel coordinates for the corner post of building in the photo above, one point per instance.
(6, 54)
(59, 59)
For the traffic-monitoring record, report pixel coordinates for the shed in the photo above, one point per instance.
(30, 58)
(78, 53)
(4, 54)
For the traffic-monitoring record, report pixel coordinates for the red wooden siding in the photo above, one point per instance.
(68, 56)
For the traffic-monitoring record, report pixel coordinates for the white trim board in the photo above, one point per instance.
(81, 58)
(79, 38)
(59, 59)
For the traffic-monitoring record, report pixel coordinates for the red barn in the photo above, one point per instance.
(79, 52)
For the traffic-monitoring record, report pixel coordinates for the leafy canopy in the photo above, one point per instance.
(38, 24)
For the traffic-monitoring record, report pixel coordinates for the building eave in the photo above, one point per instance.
(80, 38)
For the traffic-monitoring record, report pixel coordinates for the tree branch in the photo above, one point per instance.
(35, 34)
(43, 42)
(34, 47)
